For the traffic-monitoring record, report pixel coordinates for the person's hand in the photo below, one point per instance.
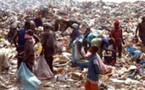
(88, 54)
(109, 69)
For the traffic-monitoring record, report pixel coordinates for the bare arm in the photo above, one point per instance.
(15, 39)
(36, 38)
(136, 32)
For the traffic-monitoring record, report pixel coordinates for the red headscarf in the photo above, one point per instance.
(116, 24)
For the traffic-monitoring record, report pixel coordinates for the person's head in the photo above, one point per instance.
(47, 27)
(75, 26)
(135, 40)
(32, 25)
(93, 49)
(116, 24)
(27, 25)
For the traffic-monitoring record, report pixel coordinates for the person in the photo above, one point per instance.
(19, 41)
(12, 32)
(140, 31)
(116, 34)
(109, 55)
(38, 20)
(29, 56)
(62, 24)
(75, 33)
(77, 53)
(93, 69)
(86, 44)
(48, 44)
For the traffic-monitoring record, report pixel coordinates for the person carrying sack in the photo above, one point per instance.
(95, 68)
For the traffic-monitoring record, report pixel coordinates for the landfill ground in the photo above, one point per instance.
(76, 78)
(99, 16)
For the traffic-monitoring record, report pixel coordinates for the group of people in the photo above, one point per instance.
(85, 45)
(102, 52)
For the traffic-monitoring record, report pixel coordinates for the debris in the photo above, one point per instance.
(77, 76)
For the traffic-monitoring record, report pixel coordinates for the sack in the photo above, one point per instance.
(42, 69)
(38, 48)
(103, 69)
(28, 80)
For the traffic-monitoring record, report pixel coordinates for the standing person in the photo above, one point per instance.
(94, 69)
(140, 31)
(75, 33)
(29, 56)
(19, 41)
(38, 20)
(116, 34)
(48, 44)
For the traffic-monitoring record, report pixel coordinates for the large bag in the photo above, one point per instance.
(42, 69)
(103, 69)
(28, 80)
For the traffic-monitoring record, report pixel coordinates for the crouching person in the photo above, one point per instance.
(95, 68)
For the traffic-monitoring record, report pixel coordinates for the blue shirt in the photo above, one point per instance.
(105, 43)
(93, 68)
(21, 37)
(75, 34)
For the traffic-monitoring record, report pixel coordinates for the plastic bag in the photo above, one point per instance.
(42, 69)
(28, 80)
(38, 48)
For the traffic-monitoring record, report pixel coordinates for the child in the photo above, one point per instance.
(94, 69)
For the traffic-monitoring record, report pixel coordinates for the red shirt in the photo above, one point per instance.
(117, 35)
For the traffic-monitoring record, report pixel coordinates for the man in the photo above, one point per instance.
(48, 44)
(116, 34)
(141, 31)
(19, 41)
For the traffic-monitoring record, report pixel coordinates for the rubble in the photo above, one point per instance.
(94, 15)
(77, 76)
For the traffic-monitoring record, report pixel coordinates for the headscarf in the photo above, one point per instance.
(116, 25)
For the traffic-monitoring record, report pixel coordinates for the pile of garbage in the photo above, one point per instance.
(99, 16)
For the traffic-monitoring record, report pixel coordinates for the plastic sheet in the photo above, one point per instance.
(28, 80)
(42, 69)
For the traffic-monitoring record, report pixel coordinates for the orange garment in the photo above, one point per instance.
(91, 86)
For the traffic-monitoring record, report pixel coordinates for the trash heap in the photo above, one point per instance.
(126, 75)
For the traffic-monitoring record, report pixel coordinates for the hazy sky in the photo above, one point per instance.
(114, 0)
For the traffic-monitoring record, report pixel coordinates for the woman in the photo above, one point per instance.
(29, 50)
